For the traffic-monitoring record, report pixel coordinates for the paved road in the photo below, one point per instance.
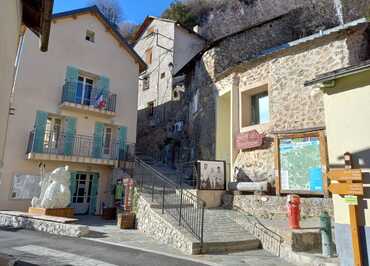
(44, 249)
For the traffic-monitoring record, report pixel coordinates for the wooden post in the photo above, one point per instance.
(277, 165)
(324, 162)
(353, 217)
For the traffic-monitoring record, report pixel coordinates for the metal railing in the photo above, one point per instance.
(188, 172)
(270, 240)
(75, 92)
(61, 143)
(186, 208)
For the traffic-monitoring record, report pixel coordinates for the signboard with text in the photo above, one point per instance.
(249, 140)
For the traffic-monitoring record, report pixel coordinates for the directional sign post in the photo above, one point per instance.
(349, 184)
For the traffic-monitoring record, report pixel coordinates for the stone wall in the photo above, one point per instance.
(19, 222)
(155, 225)
(268, 207)
(315, 15)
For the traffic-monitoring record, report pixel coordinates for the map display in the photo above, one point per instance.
(300, 164)
(25, 186)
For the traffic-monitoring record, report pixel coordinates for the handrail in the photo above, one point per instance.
(259, 229)
(186, 207)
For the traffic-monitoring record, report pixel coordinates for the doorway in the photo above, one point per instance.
(84, 192)
(84, 88)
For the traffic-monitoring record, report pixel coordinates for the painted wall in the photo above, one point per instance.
(347, 112)
(39, 87)
(160, 89)
(10, 24)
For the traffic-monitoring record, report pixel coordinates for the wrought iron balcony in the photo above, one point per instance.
(64, 146)
(88, 96)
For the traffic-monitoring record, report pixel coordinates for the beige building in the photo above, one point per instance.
(76, 106)
(15, 15)
(347, 112)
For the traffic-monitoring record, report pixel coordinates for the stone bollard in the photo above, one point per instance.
(326, 235)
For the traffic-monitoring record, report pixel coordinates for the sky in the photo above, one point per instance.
(134, 10)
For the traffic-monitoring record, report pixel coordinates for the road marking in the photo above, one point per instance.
(62, 257)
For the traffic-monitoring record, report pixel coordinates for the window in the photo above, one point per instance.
(260, 108)
(254, 106)
(149, 56)
(52, 133)
(84, 88)
(107, 140)
(146, 82)
(163, 75)
(195, 103)
(151, 108)
(90, 36)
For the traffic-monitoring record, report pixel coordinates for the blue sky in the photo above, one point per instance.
(134, 10)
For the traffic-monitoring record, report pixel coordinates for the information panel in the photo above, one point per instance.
(300, 164)
(25, 186)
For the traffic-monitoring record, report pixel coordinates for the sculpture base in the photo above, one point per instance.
(61, 212)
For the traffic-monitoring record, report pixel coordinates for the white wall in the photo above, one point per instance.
(39, 87)
(187, 45)
(10, 23)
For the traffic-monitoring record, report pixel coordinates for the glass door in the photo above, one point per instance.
(82, 195)
(107, 142)
(84, 88)
(52, 137)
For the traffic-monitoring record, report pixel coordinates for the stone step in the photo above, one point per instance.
(230, 246)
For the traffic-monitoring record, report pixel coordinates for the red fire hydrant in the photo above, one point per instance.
(294, 211)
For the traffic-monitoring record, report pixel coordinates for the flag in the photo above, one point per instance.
(100, 102)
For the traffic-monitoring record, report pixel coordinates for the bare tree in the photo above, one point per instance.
(110, 8)
(128, 29)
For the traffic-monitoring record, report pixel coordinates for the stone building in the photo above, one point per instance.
(272, 59)
(166, 46)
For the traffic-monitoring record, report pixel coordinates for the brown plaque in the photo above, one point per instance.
(249, 140)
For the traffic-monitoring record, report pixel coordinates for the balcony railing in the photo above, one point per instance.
(76, 92)
(61, 143)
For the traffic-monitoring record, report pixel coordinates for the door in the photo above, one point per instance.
(84, 88)
(82, 195)
(52, 137)
(107, 142)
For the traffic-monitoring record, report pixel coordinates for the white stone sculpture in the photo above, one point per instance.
(55, 192)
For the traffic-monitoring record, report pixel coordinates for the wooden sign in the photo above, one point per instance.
(249, 140)
(345, 175)
(356, 189)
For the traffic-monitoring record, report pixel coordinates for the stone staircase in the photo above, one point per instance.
(221, 232)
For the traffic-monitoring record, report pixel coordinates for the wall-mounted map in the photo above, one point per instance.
(300, 164)
(25, 186)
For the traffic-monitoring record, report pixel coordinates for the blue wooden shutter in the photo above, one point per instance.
(94, 194)
(70, 89)
(122, 142)
(72, 185)
(40, 126)
(69, 135)
(98, 140)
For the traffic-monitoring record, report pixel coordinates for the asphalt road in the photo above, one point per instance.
(35, 248)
